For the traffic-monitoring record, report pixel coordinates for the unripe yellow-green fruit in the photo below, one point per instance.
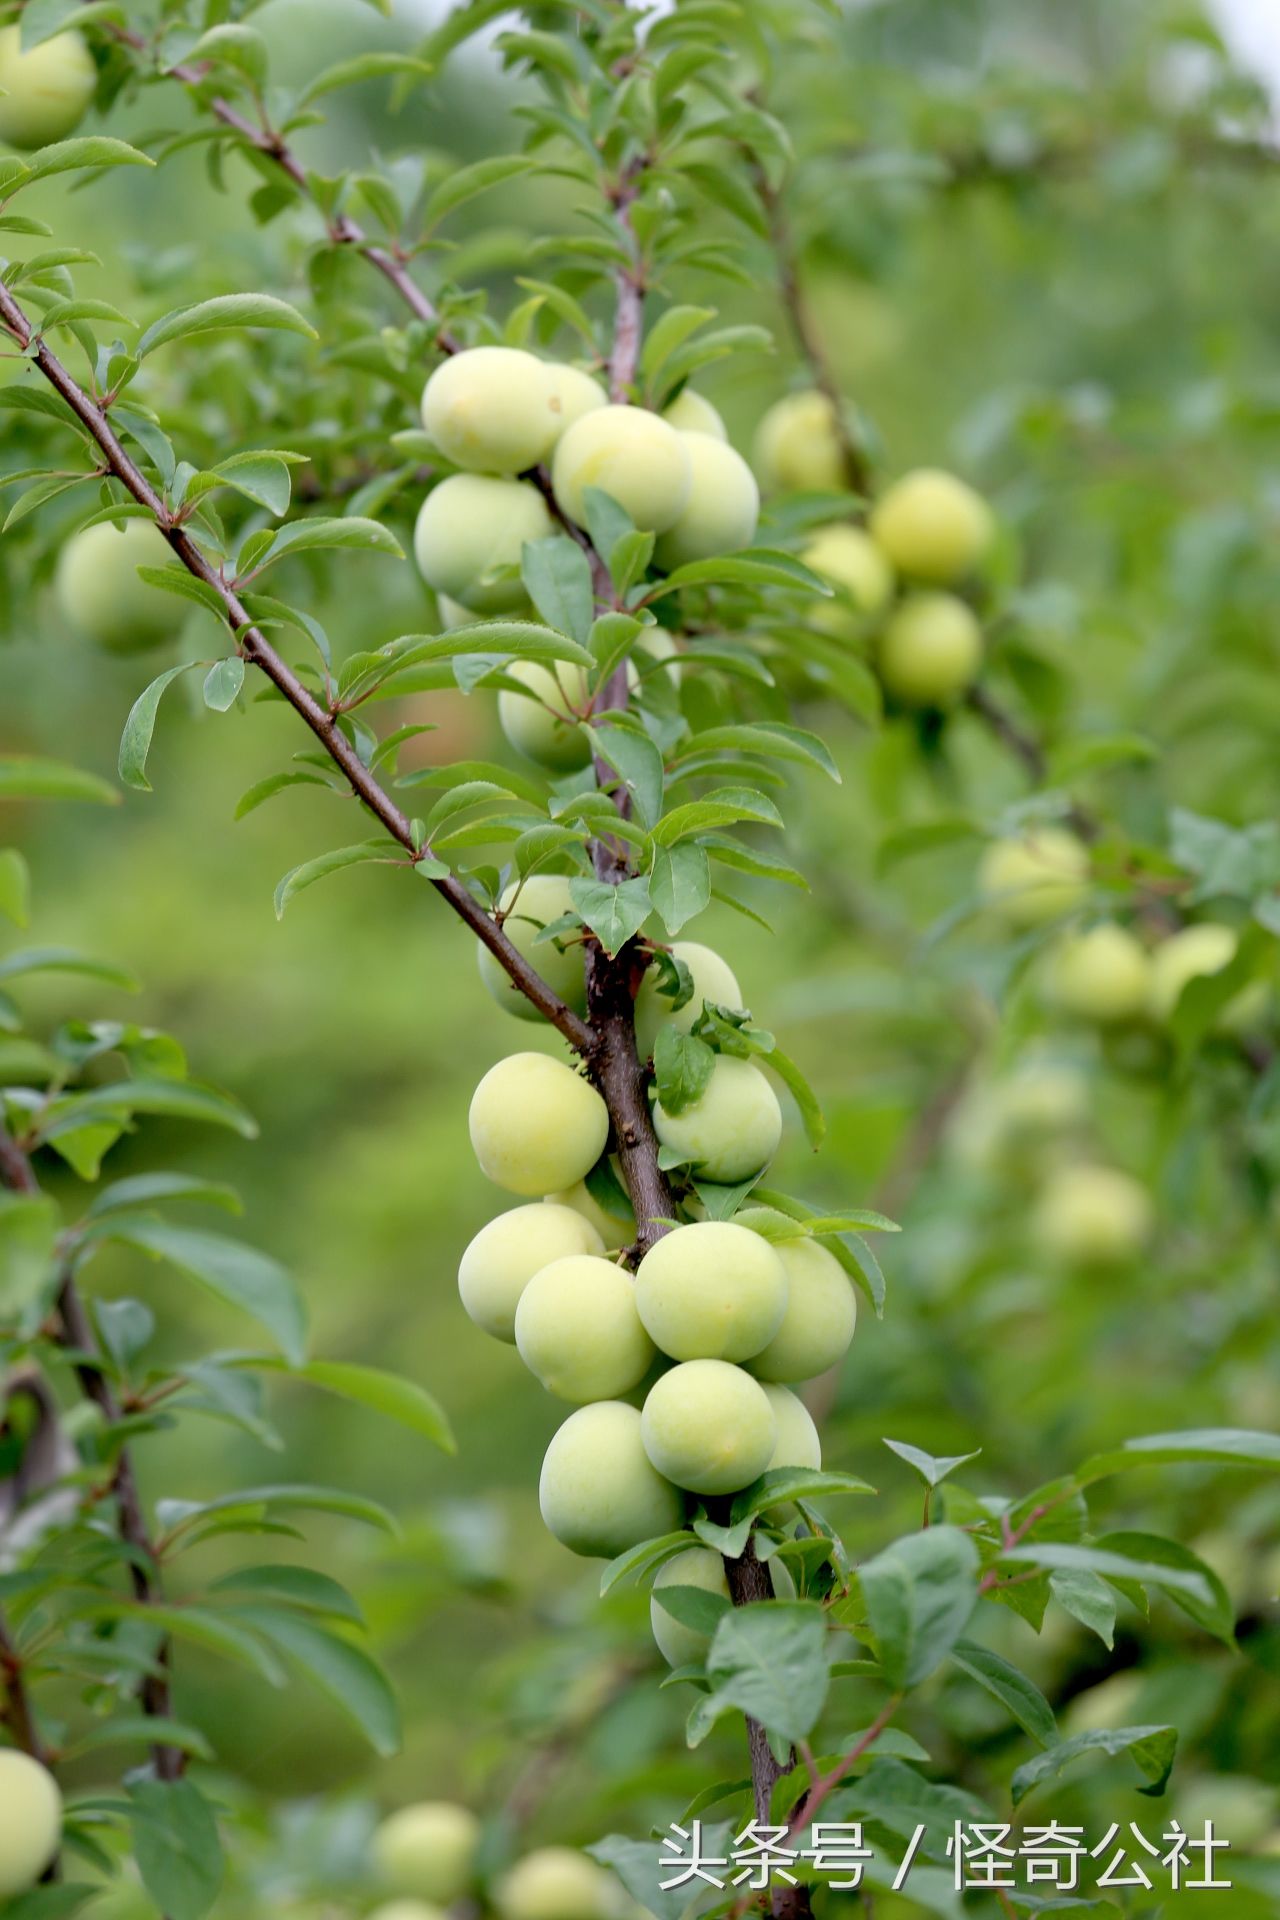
(1092, 1217)
(851, 561)
(492, 409)
(630, 454)
(798, 1444)
(470, 533)
(1102, 974)
(573, 393)
(682, 1646)
(30, 1821)
(932, 526)
(722, 509)
(689, 412)
(599, 1492)
(821, 1315)
(543, 724)
(504, 1256)
(798, 446)
(558, 1883)
(616, 1229)
(530, 905)
(100, 594)
(713, 980)
(536, 1125)
(709, 1427)
(1190, 955)
(46, 90)
(732, 1131)
(578, 1330)
(712, 1291)
(408, 1910)
(930, 651)
(1036, 877)
(428, 1851)
(454, 614)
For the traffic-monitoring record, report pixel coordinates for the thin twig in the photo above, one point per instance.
(17, 1712)
(827, 1785)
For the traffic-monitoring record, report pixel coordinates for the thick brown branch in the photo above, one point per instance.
(750, 1581)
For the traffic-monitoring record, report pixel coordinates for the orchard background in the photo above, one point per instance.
(1029, 244)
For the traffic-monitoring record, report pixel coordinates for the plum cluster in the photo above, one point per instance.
(427, 1857)
(681, 1374)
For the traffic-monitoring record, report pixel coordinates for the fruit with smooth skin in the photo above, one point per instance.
(428, 1851)
(46, 90)
(690, 412)
(579, 1332)
(493, 409)
(930, 651)
(536, 1125)
(1089, 1216)
(711, 1291)
(854, 564)
(543, 723)
(616, 1225)
(30, 1821)
(558, 1883)
(722, 510)
(932, 526)
(798, 446)
(600, 1493)
(682, 1646)
(506, 1253)
(1102, 974)
(709, 1427)
(100, 594)
(797, 1444)
(713, 980)
(630, 454)
(470, 533)
(732, 1131)
(529, 905)
(573, 393)
(1037, 876)
(820, 1316)
(1191, 954)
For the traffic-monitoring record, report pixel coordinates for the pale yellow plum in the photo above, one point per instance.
(599, 1492)
(689, 412)
(682, 1646)
(713, 980)
(504, 1256)
(930, 651)
(854, 564)
(616, 1229)
(573, 393)
(30, 1821)
(542, 724)
(630, 454)
(46, 90)
(821, 1315)
(722, 510)
(536, 1125)
(1018, 1119)
(1035, 877)
(558, 1883)
(1102, 974)
(428, 1851)
(578, 1330)
(530, 905)
(709, 1427)
(711, 1291)
(470, 533)
(798, 1444)
(1192, 954)
(798, 446)
(1090, 1216)
(492, 409)
(932, 526)
(732, 1131)
(100, 594)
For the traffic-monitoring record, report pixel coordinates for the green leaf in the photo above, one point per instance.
(772, 740)
(920, 1594)
(224, 311)
(464, 183)
(15, 887)
(679, 883)
(557, 577)
(812, 1117)
(73, 156)
(1092, 753)
(638, 761)
(783, 1484)
(1056, 1555)
(299, 878)
(362, 67)
(693, 1607)
(341, 1670)
(308, 536)
(273, 784)
(261, 477)
(179, 1099)
(613, 913)
(28, 1232)
(135, 741)
(233, 46)
(770, 1661)
(146, 1189)
(300, 1586)
(25, 778)
(176, 1846)
(1022, 1698)
(182, 1515)
(933, 1469)
(1215, 1446)
(682, 1068)
(1216, 1615)
(386, 1393)
(754, 567)
(637, 1559)
(1151, 1748)
(239, 1275)
(1088, 1599)
(27, 960)
(223, 682)
(723, 807)
(142, 1730)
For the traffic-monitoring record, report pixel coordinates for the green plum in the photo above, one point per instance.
(820, 1317)
(536, 1125)
(711, 1291)
(578, 1329)
(709, 1427)
(599, 1491)
(732, 1131)
(504, 1256)
(528, 906)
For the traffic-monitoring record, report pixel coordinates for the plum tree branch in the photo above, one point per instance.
(17, 1713)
